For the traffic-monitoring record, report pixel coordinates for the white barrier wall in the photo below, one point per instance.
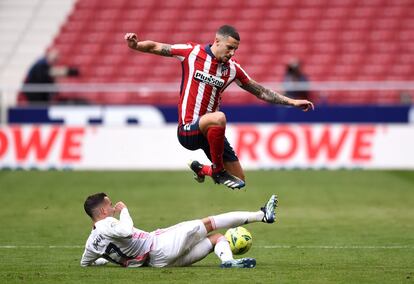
(257, 145)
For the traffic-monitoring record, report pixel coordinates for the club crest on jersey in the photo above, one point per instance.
(225, 70)
(209, 79)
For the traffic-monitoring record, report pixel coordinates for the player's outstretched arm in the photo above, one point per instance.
(148, 46)
(274, 97)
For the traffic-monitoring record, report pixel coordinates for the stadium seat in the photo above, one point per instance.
(336, 40)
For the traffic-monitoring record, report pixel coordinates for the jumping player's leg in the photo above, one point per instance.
(213, 126)
(192, 137)
(231, 164)
(207, 133)
(235, 168)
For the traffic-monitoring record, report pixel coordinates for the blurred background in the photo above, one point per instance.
(74, 97)
(65, 63)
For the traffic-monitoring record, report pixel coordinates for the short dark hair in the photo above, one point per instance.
(93, 201)
(227, 30)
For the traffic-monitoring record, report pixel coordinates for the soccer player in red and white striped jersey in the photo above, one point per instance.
(207, 72)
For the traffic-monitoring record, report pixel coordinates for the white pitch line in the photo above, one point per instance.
(40, 247)
(261, 247)
(333, 247)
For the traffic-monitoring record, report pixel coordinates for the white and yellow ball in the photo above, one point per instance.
(240, 240)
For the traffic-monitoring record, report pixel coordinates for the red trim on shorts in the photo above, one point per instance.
(137, 258)
(141, 235)
(189, 133)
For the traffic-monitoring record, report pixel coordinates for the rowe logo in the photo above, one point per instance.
(41, 144)
(285, 143)
(208, 79)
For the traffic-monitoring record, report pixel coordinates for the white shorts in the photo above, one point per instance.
(176, 241)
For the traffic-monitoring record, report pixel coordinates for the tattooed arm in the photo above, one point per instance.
(274, 97)
(267, 95)
(148, 45)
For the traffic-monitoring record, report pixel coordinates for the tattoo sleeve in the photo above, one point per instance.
(153, 47)
(265, 94)
(165, 50)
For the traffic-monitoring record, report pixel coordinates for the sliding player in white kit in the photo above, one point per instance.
(119, 242)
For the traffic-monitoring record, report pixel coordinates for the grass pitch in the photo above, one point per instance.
(333, 226)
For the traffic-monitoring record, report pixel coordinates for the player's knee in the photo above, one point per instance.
(208, 224)
(212, 119)
(220, 119)
(214, 238)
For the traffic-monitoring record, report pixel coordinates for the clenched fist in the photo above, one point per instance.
(119, 206)
(132, 40)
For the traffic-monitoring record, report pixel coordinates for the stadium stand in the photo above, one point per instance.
(27, 27)
(338, 40)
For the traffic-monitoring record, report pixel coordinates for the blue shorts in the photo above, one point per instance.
(190, 136)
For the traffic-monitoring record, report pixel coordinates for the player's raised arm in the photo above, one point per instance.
(125, 226)
(274, 97)
(148, 46)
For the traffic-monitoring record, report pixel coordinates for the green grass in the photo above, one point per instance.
(333, 226)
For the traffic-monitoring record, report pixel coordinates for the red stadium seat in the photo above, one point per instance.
(336, 39)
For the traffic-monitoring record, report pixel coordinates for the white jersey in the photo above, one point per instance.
(117, 241)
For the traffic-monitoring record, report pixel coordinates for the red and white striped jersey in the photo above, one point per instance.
(204, 78)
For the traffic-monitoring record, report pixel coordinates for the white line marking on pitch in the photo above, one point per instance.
(40, 247)
(333, 247)
(262, 247)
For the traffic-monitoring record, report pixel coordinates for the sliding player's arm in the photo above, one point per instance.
(148, 46)
(274, 97)
(90, 258)
(124, 228)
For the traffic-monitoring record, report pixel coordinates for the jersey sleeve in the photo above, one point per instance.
(181, 51)
(242, 77)
(87, 261)
(89, 258)
(122, 228)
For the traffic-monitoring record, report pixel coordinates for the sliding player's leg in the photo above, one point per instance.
(185, 243)
(266, 214)
(221, 247)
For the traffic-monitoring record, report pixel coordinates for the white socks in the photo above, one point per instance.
(234, 219)
(222, 249)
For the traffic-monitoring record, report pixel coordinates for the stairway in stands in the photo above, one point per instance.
(26, 27)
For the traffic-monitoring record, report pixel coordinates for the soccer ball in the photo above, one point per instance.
(240, 240)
